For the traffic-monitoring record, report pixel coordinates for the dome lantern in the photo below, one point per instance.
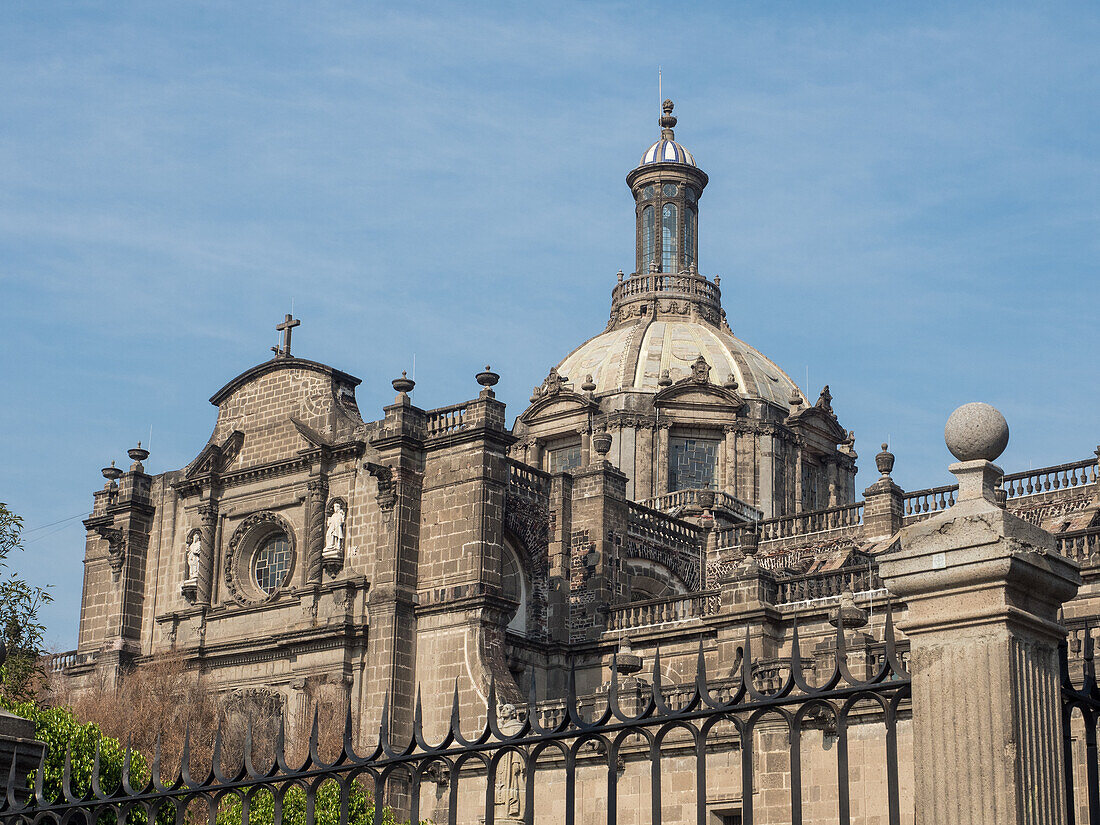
(666, 186)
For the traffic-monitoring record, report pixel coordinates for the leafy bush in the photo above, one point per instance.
(326, 807)
(60, 729)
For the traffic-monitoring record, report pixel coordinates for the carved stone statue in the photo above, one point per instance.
(334, 529)
(511, 779)
(194, 556)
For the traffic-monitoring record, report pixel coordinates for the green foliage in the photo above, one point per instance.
(20, 631)
(326, 807)
(59, 729)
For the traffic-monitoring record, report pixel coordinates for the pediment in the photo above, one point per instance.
(690, 391)
(556, 404)
(215, 457)
(822, 420)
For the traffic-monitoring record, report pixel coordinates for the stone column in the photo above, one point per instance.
(208, 520)
(643, 484)
(730, 478)
(318, 497)
(983, 589)
(661, 460)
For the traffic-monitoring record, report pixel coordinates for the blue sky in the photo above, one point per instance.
(903, 204)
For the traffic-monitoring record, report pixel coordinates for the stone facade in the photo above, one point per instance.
(667, 485)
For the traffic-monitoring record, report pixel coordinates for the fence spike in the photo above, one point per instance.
(185, 757)
(67, 774)
(746, 670)
(280, 747)
(40, 780)
(13, 801)
(96, 787)
(456, 718)
(842, 652)
(314, 739)
(384, 726)
(797, 675)
(533, 710)
(216, 757)
(897, 669)
(126, 760)
(156, 778)
(702, 681)
(349, 733)
(659, 704)
(418, 721)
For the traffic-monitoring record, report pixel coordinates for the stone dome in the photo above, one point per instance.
(632, 358)
(666, 151)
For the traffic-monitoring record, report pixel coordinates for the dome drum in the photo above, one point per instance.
(687, 286)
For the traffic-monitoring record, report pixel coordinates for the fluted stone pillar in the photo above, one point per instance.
(983, 589)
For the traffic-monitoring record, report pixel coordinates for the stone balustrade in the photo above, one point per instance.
(922, 503)
(58, 662)
(677, 608)
(815, 587)
(690, 498)
(1060, 477)
(661, 529)
(667, 285)
(446, 420)
(524, 480)
(1080, 545)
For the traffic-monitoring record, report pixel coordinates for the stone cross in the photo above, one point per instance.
(286, 328)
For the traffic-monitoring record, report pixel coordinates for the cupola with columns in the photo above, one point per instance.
(667, 186)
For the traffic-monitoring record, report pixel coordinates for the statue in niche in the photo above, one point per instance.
(510, 777)
(334, 529)
(194, 556)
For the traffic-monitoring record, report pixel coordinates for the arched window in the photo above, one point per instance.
(689, 236)
(514, 587)
(648, 226)
(668, 239)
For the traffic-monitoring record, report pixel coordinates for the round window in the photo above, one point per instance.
(271, 563)
(648, 193)
(669, 190)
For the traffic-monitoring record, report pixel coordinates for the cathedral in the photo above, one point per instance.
(668, 487)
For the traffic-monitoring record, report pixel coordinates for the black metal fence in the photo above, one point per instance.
(518, 757)
(1080, 713)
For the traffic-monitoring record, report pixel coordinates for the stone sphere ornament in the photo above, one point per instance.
(976, 432)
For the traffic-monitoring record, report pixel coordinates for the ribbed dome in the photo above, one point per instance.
(616, 360)
(667, 151)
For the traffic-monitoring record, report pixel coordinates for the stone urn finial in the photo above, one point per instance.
(619, 276)
(847, 614)
(627, 660)
(885, 461)
(589, 384)
(137, 454)
(665, 380)
(487, 378)
(112, 474)
(601, 443)
(404, 384)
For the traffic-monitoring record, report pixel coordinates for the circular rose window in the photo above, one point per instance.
(271, 563)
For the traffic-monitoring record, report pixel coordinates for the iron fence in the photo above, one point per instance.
(1082, 792)
(514, 752)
